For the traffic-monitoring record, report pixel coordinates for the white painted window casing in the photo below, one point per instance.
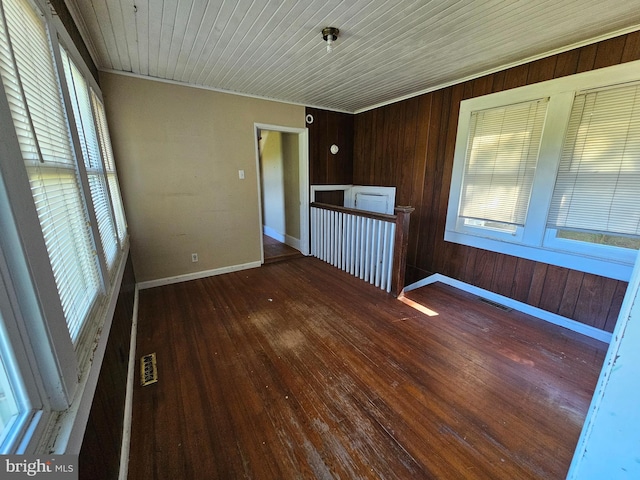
(38, 112)
(62, 243)
(110, 165)
(90, 149)
(599, 172)
(500, 163)
(567, 139)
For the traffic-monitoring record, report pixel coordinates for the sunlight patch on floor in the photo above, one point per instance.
(417, 306)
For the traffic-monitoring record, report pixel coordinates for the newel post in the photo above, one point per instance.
(403, 215)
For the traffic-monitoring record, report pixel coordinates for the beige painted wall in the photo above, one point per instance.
(291, 168)
(280, 170)
(178, 151)
(273, 194)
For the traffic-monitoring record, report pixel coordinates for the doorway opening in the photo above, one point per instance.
(277, 251)
(283, 186)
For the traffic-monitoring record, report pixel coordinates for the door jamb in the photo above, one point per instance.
(303, 168)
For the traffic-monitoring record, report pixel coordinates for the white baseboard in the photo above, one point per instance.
(516, 305)
(292, 242)
(196, 275)
(128, 403)
(270, 232)
(286, 239)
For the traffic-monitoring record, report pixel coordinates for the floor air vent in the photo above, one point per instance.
(148, 370)
(495, 304)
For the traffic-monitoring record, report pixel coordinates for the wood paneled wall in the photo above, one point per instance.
(100, 452)
(410, 145)
(333, 197)
(330, 128)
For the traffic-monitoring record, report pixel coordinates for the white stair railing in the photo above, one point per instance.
(358, 242)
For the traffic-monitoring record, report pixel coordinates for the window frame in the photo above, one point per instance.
(59, 378)
(93, 164)
(492, 164)
(18, 365)
(534, 242)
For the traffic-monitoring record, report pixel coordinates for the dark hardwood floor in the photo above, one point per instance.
(275, 251)
(298, 370)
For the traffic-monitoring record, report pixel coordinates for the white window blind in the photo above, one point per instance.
(30, 80)
(598, 184)
(110, 166)
(501, 158)
(81, 102)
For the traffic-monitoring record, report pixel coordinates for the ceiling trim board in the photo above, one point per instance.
(218, 90)
(533, 58)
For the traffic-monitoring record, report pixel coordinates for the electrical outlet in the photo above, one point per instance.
(241, 174)
(194, 257)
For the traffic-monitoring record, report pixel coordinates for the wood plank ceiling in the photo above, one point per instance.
(387, 49)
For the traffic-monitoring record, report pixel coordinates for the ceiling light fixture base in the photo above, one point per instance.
(330, 35)
(332, 32)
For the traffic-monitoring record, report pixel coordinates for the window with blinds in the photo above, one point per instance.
(88, 137)
(31, 84)
(110, 166)
(551, 171)
(63, 234)
(500, 164)
(596, 191)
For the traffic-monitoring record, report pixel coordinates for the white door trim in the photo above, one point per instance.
(607, 446)
(303, 155)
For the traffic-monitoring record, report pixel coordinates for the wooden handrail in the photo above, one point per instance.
(354, 211)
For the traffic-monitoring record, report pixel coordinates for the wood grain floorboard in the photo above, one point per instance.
(275, 251)
(296, 370)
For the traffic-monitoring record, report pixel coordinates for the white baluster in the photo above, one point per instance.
(379, 249)
(385, 253)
